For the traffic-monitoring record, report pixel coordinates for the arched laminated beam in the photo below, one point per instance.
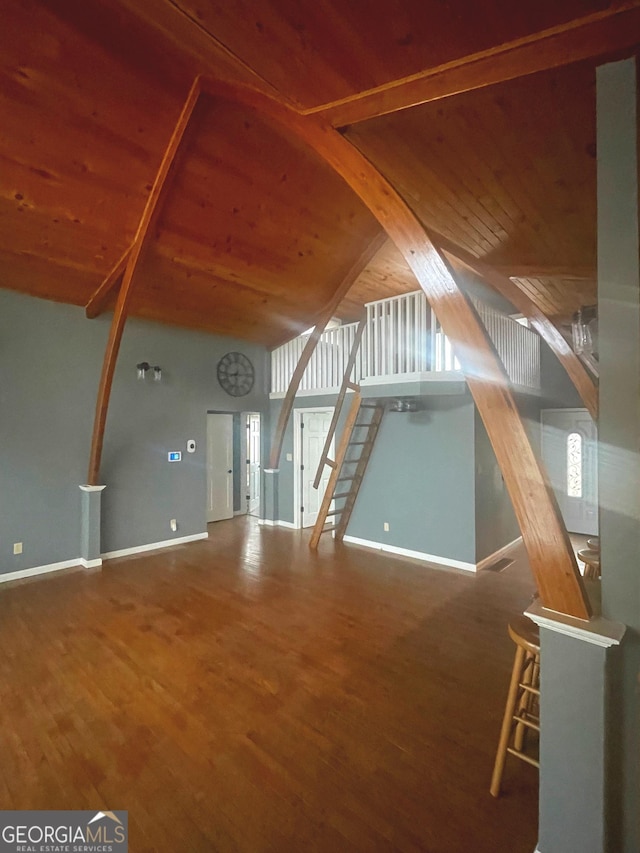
(544, 534)
(99, 298)
(576, 370)
(309, 348)
(145, 228)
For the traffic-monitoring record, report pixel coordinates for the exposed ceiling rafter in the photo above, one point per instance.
(615, 29)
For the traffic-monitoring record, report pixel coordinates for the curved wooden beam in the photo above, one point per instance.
(327, 313)
(98, 300)
(576, 370)
(543, 531)
(145, 228)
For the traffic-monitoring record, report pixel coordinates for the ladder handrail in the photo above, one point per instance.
(346, 383)
(346, 446)
(333, 479)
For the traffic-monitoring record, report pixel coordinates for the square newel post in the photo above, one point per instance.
(575, 659)
(90, 519)
(619, 433)
(270, 505)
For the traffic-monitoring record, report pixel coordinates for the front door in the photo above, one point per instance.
(314, 426)
(569, 451)
(219, 467)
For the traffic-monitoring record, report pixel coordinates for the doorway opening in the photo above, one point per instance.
(252, 457)
(311, 427)
(219, 466)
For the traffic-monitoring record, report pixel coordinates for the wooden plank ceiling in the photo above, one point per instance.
(257, 232)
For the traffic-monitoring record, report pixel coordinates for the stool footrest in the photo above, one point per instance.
(533, 761)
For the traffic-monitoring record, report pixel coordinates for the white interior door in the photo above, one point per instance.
(569, 451)
(314, 427)
(219, 467)
(253, 462)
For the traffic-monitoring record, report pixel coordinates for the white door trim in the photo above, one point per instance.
(297, 455)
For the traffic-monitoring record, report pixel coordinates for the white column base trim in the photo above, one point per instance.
(267, 522)
(92, 488)
(153, 546)
(597, 631)
(38, 570)
(492, 558)
(416, 555)
(90, 564)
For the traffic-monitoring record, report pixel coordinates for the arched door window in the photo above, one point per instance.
(574, 465)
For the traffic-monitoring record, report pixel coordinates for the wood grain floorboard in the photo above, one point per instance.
(244, 693)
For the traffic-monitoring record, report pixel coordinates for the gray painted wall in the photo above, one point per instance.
(420, 480)
(50, 361)
(496, 523)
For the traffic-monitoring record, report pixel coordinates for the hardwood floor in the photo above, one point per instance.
(244, 693)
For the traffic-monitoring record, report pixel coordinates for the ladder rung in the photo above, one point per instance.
(353, 386)
(349, 477)
(342, 495)
(368, 441)
(334, 512)
(328, 529)
(361, 424)
(330, 462)
(369, 405)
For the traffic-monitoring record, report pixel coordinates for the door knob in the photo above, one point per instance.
(230, 471)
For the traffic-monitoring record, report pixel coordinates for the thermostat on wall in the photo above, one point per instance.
(174, 456)
(191, 446)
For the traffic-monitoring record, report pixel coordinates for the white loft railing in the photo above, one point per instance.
(403, 338)
(326, 366)
(517, 346)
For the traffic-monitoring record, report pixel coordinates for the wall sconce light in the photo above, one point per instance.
(404, 405)
(144, 367)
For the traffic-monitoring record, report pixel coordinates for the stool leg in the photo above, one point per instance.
(524, 702)
(505, 732)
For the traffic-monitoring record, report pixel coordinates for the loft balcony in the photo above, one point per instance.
(404, 351)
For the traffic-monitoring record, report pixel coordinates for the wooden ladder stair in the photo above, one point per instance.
(348, 468)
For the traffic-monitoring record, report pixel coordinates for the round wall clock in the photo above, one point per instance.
(236, 374)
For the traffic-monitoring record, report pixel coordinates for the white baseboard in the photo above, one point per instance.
(90, 564)
(239, 512)
(269, 523)
(416, 555)
(38, 570)
(497, 554)
(93, 564)
(153, 546)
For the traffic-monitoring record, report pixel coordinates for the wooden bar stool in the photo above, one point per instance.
(591, 560)
(522, 709)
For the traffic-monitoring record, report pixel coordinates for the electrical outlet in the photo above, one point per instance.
(174, 524)
(17, 547)
(386, 527)
(289, 457)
